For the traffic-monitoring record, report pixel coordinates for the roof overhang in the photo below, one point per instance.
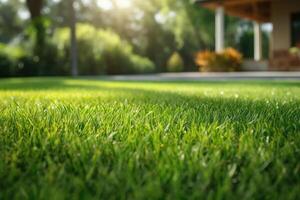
(257, 10)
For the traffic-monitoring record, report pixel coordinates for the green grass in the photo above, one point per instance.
(92, 139)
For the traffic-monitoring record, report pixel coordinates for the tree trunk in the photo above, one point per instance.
(35, 8)
(73, 49)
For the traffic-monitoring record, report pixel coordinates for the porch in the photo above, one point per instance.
(285, 19)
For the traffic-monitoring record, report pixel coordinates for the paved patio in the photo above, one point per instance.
(212, 76)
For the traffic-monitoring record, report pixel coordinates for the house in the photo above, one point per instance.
(284, 15)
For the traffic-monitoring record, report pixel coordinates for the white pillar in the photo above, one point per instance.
(257, 42)
(219, 30)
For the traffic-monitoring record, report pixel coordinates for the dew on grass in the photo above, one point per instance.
(181, 156)
(267, 139)
(195, 149)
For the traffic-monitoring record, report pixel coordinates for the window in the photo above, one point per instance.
(295, 29)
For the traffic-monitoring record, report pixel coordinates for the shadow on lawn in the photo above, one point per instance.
(26, 84)
(97, 84)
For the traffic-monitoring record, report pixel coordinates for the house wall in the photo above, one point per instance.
(281, 19)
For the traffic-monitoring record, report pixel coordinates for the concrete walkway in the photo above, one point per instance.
(212, 76)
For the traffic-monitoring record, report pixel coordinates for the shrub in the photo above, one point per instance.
(141, 64)
(9, 56)
(18, 60)
(232, 59)
(226, 61)
(47, 62)
(5, 65)
(175, 63)
(101, 51)
(86, 58)
(27, 66)
(295, 51)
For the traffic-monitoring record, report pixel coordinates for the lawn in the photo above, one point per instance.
(98, 139)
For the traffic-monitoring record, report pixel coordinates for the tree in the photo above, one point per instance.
(10, 23)
(39, 25)
(35, 10)
(73, 45)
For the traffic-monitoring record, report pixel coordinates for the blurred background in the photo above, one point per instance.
(113, 36)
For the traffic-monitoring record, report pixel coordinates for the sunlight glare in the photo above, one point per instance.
(108, 4)
(105, 4)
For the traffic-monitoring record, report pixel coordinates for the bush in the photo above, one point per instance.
(101, 52)
(175, 63)
(28, 66)
(226, 61)
(5, 65)
(9, 56)
(46, 63)
(295, 51)
(141, 65)
(18, 60)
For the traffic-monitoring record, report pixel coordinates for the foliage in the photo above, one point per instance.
(47, 63)
(87, 139)
(228, 60)
(154, 29)
(10, 24)
(38, 27)
(19, 60)
(175, 63)
(101, 51)
(140, 65)
(5, 65)
(295, 51)
(14, 52)
(9, 57)
(246, 44)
